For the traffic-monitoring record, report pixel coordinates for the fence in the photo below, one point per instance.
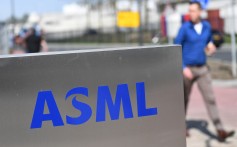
(4, 40)
(104, 35)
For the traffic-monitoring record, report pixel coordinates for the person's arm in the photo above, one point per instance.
(44, 46)
(210, 48)
(180, 38)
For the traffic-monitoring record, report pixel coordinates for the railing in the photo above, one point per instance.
(4, 40)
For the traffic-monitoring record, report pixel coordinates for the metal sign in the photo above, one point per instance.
(112, 97)
(128, 19)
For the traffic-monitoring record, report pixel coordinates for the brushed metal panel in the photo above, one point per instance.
(22, 77)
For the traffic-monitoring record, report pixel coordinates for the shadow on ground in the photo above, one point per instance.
(201, 125)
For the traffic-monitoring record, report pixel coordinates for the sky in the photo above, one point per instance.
(26, 6)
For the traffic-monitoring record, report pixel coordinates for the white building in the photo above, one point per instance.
(76, 17)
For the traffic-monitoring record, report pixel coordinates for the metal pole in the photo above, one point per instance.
(233, 40)
(13, 16)
(140, 27)
(89, 3)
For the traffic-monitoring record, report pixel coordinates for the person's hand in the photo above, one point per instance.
(210, 49)
(188, 73)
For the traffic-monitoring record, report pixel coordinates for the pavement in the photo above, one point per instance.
(85, 46)
(225, 84)
(224, 53)
(202, 131)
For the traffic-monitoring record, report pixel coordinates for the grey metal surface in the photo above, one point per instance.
(160, 68)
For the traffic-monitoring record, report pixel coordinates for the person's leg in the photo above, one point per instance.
(205, 85)
(187, 90)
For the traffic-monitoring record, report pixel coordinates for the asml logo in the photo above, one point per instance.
(104, 99)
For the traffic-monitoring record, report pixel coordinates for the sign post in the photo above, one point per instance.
(128, 19)
(233, 42)
(140, 27)
(107, 97)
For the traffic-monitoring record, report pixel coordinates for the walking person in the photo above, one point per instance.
(196, 39)
(35, 43)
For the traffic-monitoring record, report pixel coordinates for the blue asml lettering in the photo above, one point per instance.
(105, 101)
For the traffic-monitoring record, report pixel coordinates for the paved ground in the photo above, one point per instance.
(224, 53)
(202, 130)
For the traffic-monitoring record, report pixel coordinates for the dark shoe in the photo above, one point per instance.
(187, 133)
(223, 135)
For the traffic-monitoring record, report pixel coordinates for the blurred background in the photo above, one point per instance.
(60, 25)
